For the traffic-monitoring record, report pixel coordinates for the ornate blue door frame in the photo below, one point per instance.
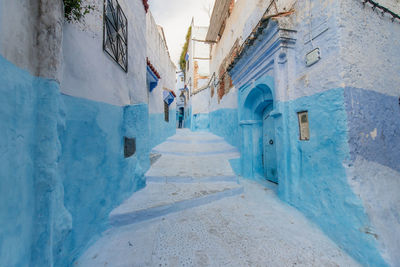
(256, 98)
(261, 72)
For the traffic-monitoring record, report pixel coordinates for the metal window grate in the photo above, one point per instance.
(115, 33)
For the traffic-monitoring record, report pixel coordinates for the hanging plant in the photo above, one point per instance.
(182, 60)
(76, 10)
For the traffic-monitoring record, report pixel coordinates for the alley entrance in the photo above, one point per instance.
(195, 211)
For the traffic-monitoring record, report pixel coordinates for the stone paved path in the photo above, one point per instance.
(195, 212)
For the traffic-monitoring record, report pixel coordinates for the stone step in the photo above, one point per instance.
(159, 199)
(194, 153)
(195, 141)
(182, 148)
(191, 179)
(198, 167)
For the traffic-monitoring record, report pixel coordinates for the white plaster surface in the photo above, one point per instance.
(238, 26)
(23, 15)
(90, 73)
(251, 229)
(49, 39)
(198, 51)
(320, 20)
(200, 101)
(180, 82)
(244, 17)
(393, 5)
(157, 52)
(31, 35)
(230, 100)
(370, 47)
(371, 181)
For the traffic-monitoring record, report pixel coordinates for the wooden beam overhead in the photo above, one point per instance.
(219, 15)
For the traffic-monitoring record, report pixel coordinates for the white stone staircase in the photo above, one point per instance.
(193, 170)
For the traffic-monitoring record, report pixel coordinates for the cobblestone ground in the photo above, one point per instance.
(194, 211)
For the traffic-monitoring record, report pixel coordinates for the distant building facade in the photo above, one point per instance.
(308, 91)
(181, 97)
(197, 77)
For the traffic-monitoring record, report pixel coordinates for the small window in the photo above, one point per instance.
(304, 125)
(166, 112)
(129, 146)
(115, 30)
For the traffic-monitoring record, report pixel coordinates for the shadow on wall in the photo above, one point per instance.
(159, 129)
(316, 182)
(94, 168)
(188, 116)
(373, 121)
(19, 96)
(200, 122)
(225, 123)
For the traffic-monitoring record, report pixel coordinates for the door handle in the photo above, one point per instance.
(271, 142)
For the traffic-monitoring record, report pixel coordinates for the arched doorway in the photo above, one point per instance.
(258, 132)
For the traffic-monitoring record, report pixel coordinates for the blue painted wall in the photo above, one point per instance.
(200, 122)
(94, 168)
(312, 174)
(32, 212)
(63, 168)
(188, 118)
(369, 110)
(17, 155)
(225, 123)
(160, 130)
(317, 181)
(374, 168)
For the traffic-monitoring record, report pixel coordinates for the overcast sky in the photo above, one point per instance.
(175, 17)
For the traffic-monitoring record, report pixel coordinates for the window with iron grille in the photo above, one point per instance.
(115, 31)
(166, 112)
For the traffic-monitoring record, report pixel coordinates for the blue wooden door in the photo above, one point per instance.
(269, 150)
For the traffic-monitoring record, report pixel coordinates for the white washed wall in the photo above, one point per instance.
(200, 102)
(157, 52)
(31, 35)
(90, 73)
(244, 17)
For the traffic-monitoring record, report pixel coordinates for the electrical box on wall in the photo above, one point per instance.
(313, 57)
(304, 125)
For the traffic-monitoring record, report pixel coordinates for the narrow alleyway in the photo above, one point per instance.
(195, 212)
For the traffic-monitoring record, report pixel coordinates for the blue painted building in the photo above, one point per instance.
(76, 126)
(314, 107)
